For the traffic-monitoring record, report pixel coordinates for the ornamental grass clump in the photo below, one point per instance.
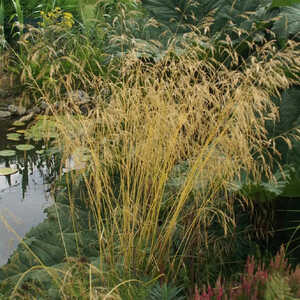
(164, 141)
(181, 110)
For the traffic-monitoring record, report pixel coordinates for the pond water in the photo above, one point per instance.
(23, 195)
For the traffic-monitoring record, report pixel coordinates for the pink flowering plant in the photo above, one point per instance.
(257, 282)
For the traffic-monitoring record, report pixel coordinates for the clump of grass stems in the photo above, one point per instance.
(156, 119)
(181, 109)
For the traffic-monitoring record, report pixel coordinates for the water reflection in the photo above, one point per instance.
(30, 165)
(23, 195)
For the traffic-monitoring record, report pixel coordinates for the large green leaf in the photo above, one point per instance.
(265, 190)
(286, 181)
(288, 26)
(279, 3)
(288, 127)
(254, 17)
(177, 13)
(51, 242)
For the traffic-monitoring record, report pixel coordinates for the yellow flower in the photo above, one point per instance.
(68, 23)
(68, 15)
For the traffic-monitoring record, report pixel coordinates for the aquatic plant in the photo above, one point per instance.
(13, 136)
(7, 171)
(7, 153)
(24, 147)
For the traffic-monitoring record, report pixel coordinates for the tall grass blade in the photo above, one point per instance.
(19, 15)
(2, 36)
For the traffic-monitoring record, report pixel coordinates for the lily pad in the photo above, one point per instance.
(7, 171)
(13, 139)
(44, 128)
(18, 123)
(21, 131)
(7, 153)
(13, 136)
(25, 147)
(40, 151)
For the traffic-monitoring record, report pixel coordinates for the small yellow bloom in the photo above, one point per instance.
(68, 15)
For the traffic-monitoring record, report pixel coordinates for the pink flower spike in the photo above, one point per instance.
(220, 294)
(210, 291)
(197, 295)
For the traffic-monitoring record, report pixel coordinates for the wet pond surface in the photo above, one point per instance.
(23, 195)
